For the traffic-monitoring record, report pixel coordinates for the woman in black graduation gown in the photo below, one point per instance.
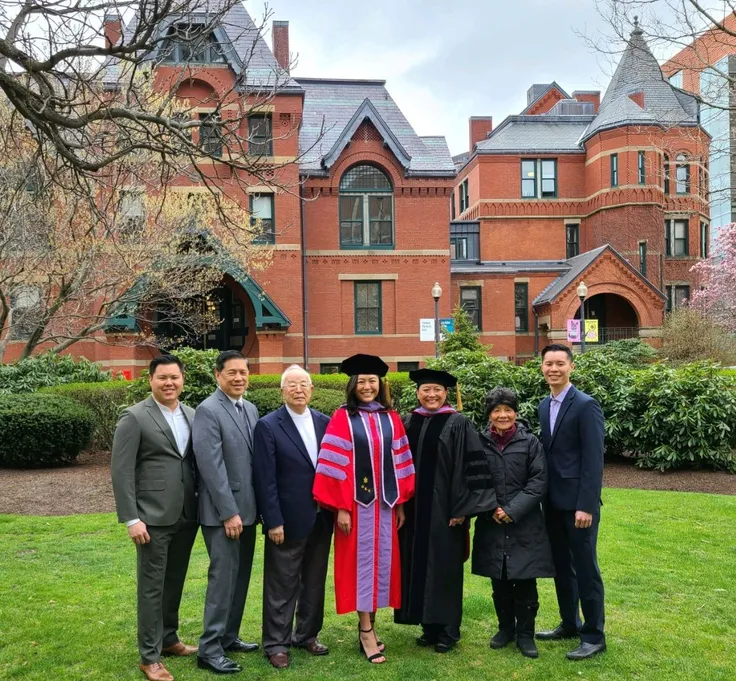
(452, 482)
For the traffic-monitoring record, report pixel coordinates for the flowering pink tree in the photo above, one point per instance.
(717, 299)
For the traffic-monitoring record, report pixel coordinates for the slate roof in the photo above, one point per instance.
(249, 52)
(529, 134)
(639, 71)
(575, 268)
(336, 108)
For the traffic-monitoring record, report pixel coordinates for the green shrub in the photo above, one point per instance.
(267, 400)
(48, 369)
(631, 351)
(684, 417)
(42, 430)
(104, 400)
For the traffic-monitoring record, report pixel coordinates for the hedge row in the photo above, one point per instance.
(48, 369)
(42, 430)
(105, 400)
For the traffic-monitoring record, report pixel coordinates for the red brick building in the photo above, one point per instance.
(575, 189)
(571, 189)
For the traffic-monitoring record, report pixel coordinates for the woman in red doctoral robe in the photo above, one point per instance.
(365, 473)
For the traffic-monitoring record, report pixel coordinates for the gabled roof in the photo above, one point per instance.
(530, 134)
(367, 112)
(334, 109)
(639, 71)
(541, 93)
(245, 49)
(577, 265)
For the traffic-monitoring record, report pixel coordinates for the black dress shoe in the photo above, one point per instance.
(219, 665)
(238, 646)
(444, 646)
(557, 634)
(586, 650)
(425, 641)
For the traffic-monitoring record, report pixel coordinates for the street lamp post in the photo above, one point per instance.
(582, 292)
(436, 294)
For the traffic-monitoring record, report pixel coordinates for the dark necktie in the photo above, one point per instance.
(241, 412)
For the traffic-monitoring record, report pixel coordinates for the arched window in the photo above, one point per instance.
(683, 175)
(366, 208)
(191, 44)
(666, 174)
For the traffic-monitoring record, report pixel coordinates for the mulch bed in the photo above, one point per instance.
(85, 487)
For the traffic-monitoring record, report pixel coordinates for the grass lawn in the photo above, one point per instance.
(67, 605)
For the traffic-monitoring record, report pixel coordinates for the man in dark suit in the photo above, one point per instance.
(573, 434)
(222, 437)
(297, 550)
(155, 494)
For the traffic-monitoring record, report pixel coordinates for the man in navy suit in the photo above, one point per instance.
(572, 434)
(296, 554)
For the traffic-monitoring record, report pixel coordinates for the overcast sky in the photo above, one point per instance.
(445, 61)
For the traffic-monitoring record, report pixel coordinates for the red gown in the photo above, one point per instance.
(367, 566)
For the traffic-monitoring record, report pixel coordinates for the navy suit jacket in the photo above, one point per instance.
(574, 452)
(283, 474)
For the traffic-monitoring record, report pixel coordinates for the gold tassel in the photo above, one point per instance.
(388, 391)
(459, 398)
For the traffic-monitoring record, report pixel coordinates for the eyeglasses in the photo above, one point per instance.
(304, 385)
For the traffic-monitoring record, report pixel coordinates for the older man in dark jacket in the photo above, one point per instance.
(511, 545)
(297, 550)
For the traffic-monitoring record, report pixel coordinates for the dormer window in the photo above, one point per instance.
(191, 44)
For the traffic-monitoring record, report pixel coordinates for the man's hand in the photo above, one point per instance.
(457, 521)
(400, 516)
(139, 533)
(343, 521)
(583, 520)
(233, 527)
(276, 535)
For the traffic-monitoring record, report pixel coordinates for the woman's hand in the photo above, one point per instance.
(500, 516)
(343, 521)
(457, 521)
(400, 516)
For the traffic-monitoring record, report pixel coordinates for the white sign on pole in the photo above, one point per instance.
(426, 330)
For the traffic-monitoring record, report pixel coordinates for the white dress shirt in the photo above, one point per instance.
(178, 424)
(305, 425)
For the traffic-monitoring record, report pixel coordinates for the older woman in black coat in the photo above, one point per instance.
(511, 544)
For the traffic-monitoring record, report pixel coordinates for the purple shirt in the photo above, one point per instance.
(554, 407)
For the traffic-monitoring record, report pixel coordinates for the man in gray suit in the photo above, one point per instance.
(222, 437)
(154, 484)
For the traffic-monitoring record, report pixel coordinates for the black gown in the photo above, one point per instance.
(453, 479)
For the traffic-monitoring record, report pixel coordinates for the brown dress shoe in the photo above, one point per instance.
(315, 648)
(180, 649)
(279, 660)
(156, 672)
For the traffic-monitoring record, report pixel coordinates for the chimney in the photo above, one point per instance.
(479, 128)
(281, 44)
(638, 98)
(113, 26)
(592, 96)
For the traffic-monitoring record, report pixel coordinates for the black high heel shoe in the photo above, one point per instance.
(371, 658)
(379, 642)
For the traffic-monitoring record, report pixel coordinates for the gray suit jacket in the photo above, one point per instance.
(150, 479)
(223, 448)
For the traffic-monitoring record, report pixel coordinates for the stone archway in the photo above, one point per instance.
(617, 317)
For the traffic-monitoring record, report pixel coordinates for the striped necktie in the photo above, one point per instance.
(241, 411)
